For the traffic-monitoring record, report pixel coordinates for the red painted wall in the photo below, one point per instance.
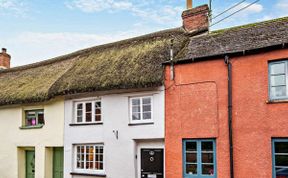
(196, 107)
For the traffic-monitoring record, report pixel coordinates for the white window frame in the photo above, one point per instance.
(271, 63)
(93, 114)
(141, 110)
(88, 171)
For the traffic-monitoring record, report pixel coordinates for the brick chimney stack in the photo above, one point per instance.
(196, 19)
(4, 59)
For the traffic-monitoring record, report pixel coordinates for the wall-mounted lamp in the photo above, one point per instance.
(116, 134)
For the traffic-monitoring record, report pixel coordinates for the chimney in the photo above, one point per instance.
(196, 19)
(4, 59)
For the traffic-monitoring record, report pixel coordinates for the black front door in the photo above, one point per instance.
(152, 163)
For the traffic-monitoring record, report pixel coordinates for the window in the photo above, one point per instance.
(141, 109)
(278, 80)
(88, 112)
(34, 117)
(90, 158)
(280, 158)
(199, 158)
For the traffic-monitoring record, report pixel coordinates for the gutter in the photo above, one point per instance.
(231, 54)
(230, 104)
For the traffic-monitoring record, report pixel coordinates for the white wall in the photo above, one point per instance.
(13, 140)
(119, 155)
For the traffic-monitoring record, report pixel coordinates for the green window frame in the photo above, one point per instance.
(34, 118)
(199, 158)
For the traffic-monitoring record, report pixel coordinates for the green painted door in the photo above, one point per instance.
(58, 163)
(30, 164)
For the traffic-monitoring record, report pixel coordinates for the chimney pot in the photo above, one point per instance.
(189, 4)
(4, 50)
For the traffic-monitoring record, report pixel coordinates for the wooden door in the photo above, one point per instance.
(58, 157)
(30, 164)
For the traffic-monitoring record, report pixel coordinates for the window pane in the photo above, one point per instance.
(146, 108)
(191, 157)
(147, 115)
(191, 146)
(88, 117)
(88, 107)
(278, 91)
(278, 80)
(136, 116)
(41, 118)
(135, 109)
(80, 106)
(207, 146)
(207, 157)
(146, 101)
(136, 101)
(281, 147)
(191, 169)
(278, 68)
(208, 169)
(98, 118)
(98, 104)
(281, 172)
(88, 112)
(281, 160)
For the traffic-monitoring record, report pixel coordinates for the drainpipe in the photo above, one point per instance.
(172, 73)
(229, 67)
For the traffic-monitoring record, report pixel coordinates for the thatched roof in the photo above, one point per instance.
(237, 39)
(132, 63)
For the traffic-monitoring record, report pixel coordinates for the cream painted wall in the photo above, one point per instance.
(14, 140)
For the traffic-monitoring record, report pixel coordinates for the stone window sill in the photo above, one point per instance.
(277, 101)
(87, 174)
(143, 123)
(32, 127)
(85, 124)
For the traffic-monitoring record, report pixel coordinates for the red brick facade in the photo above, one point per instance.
(196, 108)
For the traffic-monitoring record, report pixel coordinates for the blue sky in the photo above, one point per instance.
(35, 30)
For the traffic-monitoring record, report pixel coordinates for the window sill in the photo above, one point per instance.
(87, 174)
(85, 124)
(276, 101)
(31, 127)
(143, 123)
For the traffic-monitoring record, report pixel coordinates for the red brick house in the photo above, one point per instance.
(227, 101)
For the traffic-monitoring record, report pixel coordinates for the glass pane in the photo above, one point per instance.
(97, 111)
(88, 117)
(281, 147)
(136, 116)
(135, 108)
(281, 160)
(278, 80)
(191, 157)
(278, 68)
(146, 101)
(80, 106)
(191, 169)
(98, 118)
(208, 169)
(281, 172)
(146, 108)
(207, 146)
(136, 101)
(41, 118)
(147, 115)
(191, 146)
(98, 104)
(207, 157)
(88, 107)
(278, 91)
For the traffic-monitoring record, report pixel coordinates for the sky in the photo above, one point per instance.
(36, 30)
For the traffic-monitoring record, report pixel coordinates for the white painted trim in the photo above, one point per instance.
(93, 114)
(141, 110)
